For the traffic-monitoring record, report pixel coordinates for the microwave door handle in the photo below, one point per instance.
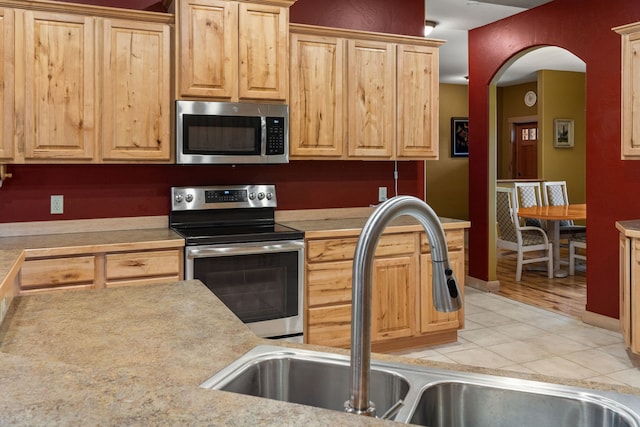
(222, 250)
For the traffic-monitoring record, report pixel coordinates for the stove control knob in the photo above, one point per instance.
(260, 195)
(269, 196)
(252, 196)
(189, 198)
(179, 198)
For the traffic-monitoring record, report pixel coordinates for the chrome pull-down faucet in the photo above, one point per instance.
(446, 294)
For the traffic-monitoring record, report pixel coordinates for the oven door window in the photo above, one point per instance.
(255, 287)
(221, 135)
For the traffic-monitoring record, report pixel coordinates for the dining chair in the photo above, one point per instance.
(512, 236)
(527, 195)
(555, 194)
(575, 245)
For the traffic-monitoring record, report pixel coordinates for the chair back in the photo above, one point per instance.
(506, 215)
(555, 194)
(527, 195)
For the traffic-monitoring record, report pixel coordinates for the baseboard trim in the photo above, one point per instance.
(483, 285)
(601, 321)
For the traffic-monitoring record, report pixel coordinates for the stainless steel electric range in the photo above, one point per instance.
(235, 247)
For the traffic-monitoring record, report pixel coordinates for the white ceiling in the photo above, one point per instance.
(456, 17)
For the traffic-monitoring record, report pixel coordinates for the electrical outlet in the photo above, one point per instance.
(382, 194)
(57, 204)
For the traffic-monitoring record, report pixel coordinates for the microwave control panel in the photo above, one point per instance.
(275, 135)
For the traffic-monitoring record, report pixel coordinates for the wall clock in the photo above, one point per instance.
(530, 98)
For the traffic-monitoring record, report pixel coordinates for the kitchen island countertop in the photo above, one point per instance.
(137, 355)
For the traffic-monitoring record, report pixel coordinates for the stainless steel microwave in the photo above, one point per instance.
(231, 133)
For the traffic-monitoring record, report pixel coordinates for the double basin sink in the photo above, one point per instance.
(430, 397)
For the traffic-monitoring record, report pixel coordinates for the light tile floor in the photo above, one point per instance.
(501, 333)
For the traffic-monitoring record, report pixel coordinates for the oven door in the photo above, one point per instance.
(261, 282)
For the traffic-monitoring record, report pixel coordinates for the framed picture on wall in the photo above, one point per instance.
(562, 133)
(459, 137)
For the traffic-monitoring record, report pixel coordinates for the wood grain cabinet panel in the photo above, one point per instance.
(233, 50)
(362, 95)
(142, 267)
(40, 275)
(136, 91)
(7, 145)
(630, 144)
(402, 312)
(317, 100)
(371, 107)
(55, 65)
(418, 95)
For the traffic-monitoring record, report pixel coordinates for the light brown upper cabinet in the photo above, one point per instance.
(6, 89)
(84, 84)
(630, 144)
(317, 103)
(230, 50)
(56, 85)
(362, 95)
(136, 91)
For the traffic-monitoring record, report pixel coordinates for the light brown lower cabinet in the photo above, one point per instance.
(99, 270)
(402, 311)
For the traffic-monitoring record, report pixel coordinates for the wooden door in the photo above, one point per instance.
(630, 100)
(371, 106)
(7, 88)
(207, 48)
(57, 68)
(417, 102)
(136, 91)
(263, 52)
(394, 302)
(318, 76)
(432, 320)
(525, 160)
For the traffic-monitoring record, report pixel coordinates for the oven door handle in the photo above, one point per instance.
(244, 249)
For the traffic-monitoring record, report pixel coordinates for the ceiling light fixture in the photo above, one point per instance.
(429, 26)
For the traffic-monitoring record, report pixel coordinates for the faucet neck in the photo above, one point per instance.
(445, 289)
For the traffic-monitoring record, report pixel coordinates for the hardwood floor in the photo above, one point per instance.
(566, 295)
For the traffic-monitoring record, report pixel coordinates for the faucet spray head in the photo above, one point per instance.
(446, 293)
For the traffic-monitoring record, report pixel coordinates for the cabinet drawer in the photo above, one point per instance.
(142, 264)
(55, 272)
(329, 283)
(455, 241)
(343, 249)
(330, 326)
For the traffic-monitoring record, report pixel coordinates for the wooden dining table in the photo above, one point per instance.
(553, 215)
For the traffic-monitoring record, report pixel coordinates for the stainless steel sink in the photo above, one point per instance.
(320, 379)
(432, 397)
(463, 404)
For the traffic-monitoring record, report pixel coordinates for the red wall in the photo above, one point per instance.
(98, 191)
(584, 28)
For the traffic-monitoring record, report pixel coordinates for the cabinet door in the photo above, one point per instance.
(57, 53)
(263, 52)
(394, 298)
(630, 100)
(6, 89)
(371, 99)
(634, 298)
(207, 48)
(417, 102)
(317, 99)
(136, 92)
(432, 320)
(625, 266)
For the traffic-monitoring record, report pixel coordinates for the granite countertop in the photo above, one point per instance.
(630, 228)
(315, 228)
(137, 355)
(132, 356)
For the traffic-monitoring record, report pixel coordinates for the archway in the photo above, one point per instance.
(538, 86)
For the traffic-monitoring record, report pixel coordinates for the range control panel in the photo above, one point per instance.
(218, 197)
